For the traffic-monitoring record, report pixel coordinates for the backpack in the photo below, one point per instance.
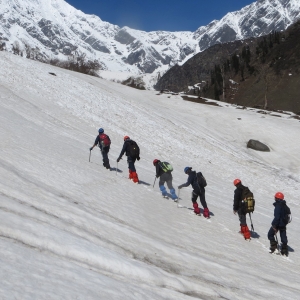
(166, 167)
(201, 180)
(287, 216)
(248, 200)
(104, 140)
(134, 150)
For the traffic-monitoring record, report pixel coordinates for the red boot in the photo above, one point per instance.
(196, 208)
(135, 177)
(242, 230)
(130, 175)
(206, 213)
(246, 232)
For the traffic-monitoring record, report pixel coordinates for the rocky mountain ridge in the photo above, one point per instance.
(56, 29)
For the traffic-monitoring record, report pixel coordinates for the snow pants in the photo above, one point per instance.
(283, 237)
(242, 217)
(131, 162)
(201, 195)
(105, 159)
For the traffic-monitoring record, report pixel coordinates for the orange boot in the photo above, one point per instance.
(130, 175)
(245, 231)
(135, 177)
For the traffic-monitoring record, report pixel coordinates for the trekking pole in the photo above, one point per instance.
(251, 222)
(154, 181)
(90, 156)
(178, 197)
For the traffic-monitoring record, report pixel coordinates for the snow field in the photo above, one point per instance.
(72, 229)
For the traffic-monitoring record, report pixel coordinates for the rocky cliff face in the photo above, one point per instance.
(258, 72)
(56, 29)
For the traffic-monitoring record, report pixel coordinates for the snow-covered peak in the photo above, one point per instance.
(57, 30)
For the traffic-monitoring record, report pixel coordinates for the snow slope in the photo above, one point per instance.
(70, 229)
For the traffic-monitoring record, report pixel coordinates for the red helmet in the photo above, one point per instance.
(279, 195)
(236, 181)
(155, 161)
(126, 137)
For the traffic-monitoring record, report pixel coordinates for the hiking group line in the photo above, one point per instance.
(243, 202)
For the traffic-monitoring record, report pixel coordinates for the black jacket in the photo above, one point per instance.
(125, 148)
(279, 211)
(237, 201)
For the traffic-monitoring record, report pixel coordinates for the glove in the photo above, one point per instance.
(180, 187)
(91, 148)
(118, 159)
(157, 176)
(138, 158)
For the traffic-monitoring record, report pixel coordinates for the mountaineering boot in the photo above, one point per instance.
(106, 164)
(173, 193)
(135, 177)
(246, 232)
(242, 229)
(196, 208)
(130, 175)
(206, 213)
(273, 246)
(284, 250)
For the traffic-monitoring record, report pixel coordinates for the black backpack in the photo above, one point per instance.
(248, 201)
(134, 150)
(287, 216)
(201, 180)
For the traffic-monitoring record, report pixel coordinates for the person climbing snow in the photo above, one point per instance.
(239, 207)
(281, 219)
(163, 172)
(132, 151)
(198, 183)
(103, 141)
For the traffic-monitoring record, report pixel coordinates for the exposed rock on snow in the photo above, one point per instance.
(257, 145)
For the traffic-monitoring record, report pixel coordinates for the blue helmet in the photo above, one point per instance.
(101, 130)
(187, 169)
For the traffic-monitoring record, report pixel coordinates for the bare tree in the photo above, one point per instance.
(16, 48)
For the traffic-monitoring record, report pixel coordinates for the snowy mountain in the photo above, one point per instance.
(71, 229)
(58, 29)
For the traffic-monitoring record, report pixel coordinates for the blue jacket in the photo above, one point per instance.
(279, 214)
(193, 180)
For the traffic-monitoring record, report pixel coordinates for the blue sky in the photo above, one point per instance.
(176, 15)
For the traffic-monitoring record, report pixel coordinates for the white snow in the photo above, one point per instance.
(70, 229)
